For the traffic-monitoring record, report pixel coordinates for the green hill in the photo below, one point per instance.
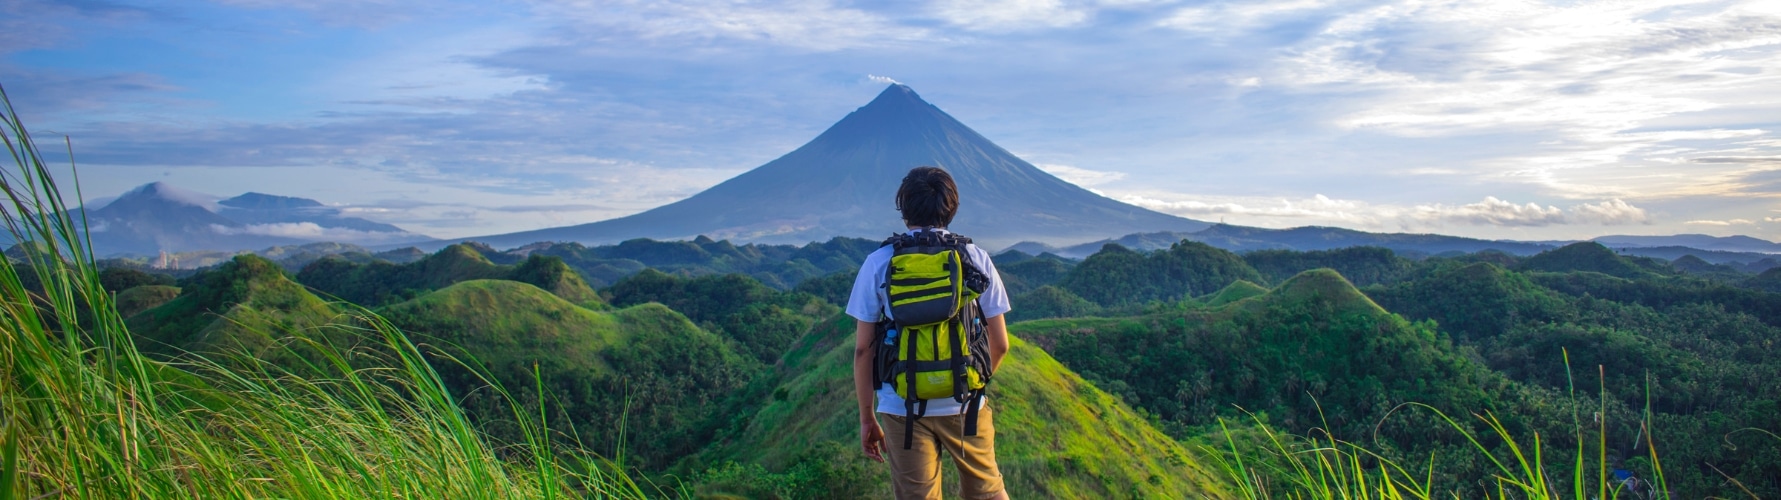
(1057, 435)
(1592, 257)
(244, 305)
(1022, 273)
(1237, 290)
(763, 321)
(143, 298)
(1050, 302)
(1767, 281)
(378, 283)
(643, 374)
(1474, 301)
(1312, 353)
(1118, 276)
(1361, 265)
(777, 266)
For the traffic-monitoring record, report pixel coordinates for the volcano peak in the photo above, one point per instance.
(842, 183)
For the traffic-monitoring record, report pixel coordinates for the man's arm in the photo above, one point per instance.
(864, 356)
(997, 329)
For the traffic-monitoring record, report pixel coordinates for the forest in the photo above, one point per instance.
(715, 366)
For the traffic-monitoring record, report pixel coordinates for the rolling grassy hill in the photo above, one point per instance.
(1057, 435)
(1313, 352)
(246, 305)
(641, 382)
(143, 298)
(379, 283)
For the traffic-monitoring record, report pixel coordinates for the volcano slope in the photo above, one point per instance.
(842, 183)
(1057, 436)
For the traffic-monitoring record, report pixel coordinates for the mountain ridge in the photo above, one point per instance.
(159, 217)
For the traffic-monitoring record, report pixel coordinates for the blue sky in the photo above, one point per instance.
(1499, 119)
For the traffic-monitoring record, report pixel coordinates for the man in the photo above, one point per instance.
(928, 199)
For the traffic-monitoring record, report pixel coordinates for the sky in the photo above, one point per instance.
(1501, 119)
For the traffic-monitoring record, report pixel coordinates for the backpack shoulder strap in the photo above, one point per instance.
(894, 240)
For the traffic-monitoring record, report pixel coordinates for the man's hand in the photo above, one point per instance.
(872, 440)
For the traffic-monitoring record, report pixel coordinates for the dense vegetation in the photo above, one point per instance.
(379, 283)
(640, 383)
(762, 321)
(1194, 339)
(1477, 333)
(1057, 435)
(87, 415)
(777, 266)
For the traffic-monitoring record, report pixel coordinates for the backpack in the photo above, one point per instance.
(934, 344)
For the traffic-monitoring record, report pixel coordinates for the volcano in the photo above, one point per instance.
(158, 217)
(843, 183)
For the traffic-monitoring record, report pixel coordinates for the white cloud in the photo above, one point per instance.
(1009, 15)
(882, 79)
(313, 231)
(1721, 223)
(816, 25)
(1229, 18)
(1613, 212)
(1491, 212)
(1323, 210)
(1318, 209)
(1080, 176)
(1600, 85)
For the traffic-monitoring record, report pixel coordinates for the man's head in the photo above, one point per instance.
(928, 198)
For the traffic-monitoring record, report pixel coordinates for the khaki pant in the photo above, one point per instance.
(915, 472)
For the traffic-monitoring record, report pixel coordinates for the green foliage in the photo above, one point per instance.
(1698, 267)
(1050, 302)
(1312, 353)
(1767, 281)
(89, 416)
(1237, 290)
(118, 279)
(1697, 353)
(244, 305)
(379, 283)
(835, 288)
(1116, 276)
(1361, 265)
(1057, 435)
(639, 383)
(1473, 302)
(778, 266)
(1592, 257)
(761, 320)
(143, 298)
(827, 470)
(1022, 275)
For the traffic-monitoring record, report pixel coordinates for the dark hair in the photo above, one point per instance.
(928, 198)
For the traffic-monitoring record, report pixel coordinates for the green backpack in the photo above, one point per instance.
(935, 345)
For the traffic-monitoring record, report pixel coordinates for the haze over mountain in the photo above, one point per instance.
(843, 182)
(159, 217)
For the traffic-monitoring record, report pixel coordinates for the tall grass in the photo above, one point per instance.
(84, 414)
(1319, 466)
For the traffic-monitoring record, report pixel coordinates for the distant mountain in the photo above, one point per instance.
(1307, 238)
(843, 184)
(159, 217)
(1738, 243)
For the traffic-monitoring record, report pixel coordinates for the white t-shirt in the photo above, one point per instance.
(867, 304)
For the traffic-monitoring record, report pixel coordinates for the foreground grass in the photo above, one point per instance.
(1265, 465)
(83, 414)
